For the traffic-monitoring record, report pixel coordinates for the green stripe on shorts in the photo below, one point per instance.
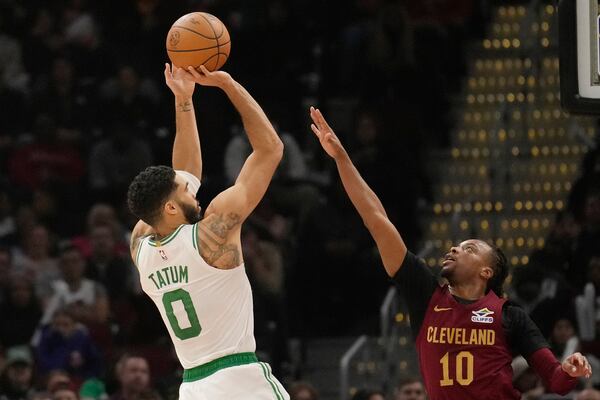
(267, 373)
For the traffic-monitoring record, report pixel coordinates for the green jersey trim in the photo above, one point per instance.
(204, 370)
(165, 240)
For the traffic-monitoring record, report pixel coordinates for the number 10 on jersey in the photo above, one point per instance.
(464, 369)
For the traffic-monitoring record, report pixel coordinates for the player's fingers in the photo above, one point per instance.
(318, 118)
(322, 118)
(194, 73)
(204, 70)
(167, 71)
(315, 130)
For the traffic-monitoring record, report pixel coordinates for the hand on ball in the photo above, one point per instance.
(179, 81)
(206, 78)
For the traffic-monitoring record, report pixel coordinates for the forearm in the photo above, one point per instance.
(549, 369)
(186, 147)
(260, 132)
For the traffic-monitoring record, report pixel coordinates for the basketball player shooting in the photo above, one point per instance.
(466, 333)
(192, 268)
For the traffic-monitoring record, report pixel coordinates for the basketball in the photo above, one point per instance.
(198, 39)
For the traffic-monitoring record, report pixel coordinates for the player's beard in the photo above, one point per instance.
(191, 213)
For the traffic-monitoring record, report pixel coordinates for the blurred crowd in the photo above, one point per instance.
(83, 108)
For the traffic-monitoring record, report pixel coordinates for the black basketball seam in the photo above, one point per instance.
(205, 61)
(197, 33)
(215, 32)
(217, 39)
(204, 48)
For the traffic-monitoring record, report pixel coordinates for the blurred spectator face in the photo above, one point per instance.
(366, 129)
(563, 331)
(588, 394)
(102, 241)
(411, 391)
(57, 379)
(303, 391)
(63, 323)
(592, 209)
(38, 242)
(376, 396)
(64, 394)
(21, 291)
(134, 374)
(20, 376)
(566, 228)
(594, 271)
(62, 71)
(102, 214)
(128, 79)
(72, 265)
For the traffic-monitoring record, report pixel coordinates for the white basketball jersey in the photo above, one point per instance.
(208, 311)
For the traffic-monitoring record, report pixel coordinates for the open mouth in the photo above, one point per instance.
(448, 259)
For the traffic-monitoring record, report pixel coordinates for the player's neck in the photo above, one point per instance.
(467, 291)
(165, 228)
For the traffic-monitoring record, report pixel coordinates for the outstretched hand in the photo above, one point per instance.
(577, 365)
(179, 81)
(330, 142)
(206, 78)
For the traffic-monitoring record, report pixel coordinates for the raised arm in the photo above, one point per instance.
(186, 147)
(389, 242)
(267, 149)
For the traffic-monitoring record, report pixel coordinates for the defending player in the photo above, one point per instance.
(193, 268)
(465, 331)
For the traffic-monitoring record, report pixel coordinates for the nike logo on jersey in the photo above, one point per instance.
(438, 309)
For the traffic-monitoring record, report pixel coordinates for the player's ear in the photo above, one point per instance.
(170, 208)
(486, 272)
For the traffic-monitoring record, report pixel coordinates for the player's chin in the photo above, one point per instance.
(446, 271)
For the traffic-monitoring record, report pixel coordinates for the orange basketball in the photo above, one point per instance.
(198, 39)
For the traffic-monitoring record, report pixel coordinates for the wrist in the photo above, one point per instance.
(182, 98)
(342, 157)
(227, 84)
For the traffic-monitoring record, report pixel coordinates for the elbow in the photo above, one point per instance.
(277, 150)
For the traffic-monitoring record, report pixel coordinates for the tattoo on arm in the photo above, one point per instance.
(184, 106)
(213, 240)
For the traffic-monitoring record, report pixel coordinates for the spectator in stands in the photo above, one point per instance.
(133, 374)
(64, 394)
(85, 298)
(48, 160)
(366, 394)
(116, 160)
(16, 379)
(410, 388)
(34, 258)
(106, 266)
(563, 340)
(57, 379)
(102, 214)
(66, 345)
(303, 391)
(588, 394)
(20, 312)
(62, 94)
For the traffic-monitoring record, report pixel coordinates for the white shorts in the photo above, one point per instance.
(248, 382)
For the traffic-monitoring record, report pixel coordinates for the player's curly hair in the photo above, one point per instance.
(149, 190)
(500, 267)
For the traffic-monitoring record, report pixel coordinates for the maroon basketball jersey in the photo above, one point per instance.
(463, 351)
